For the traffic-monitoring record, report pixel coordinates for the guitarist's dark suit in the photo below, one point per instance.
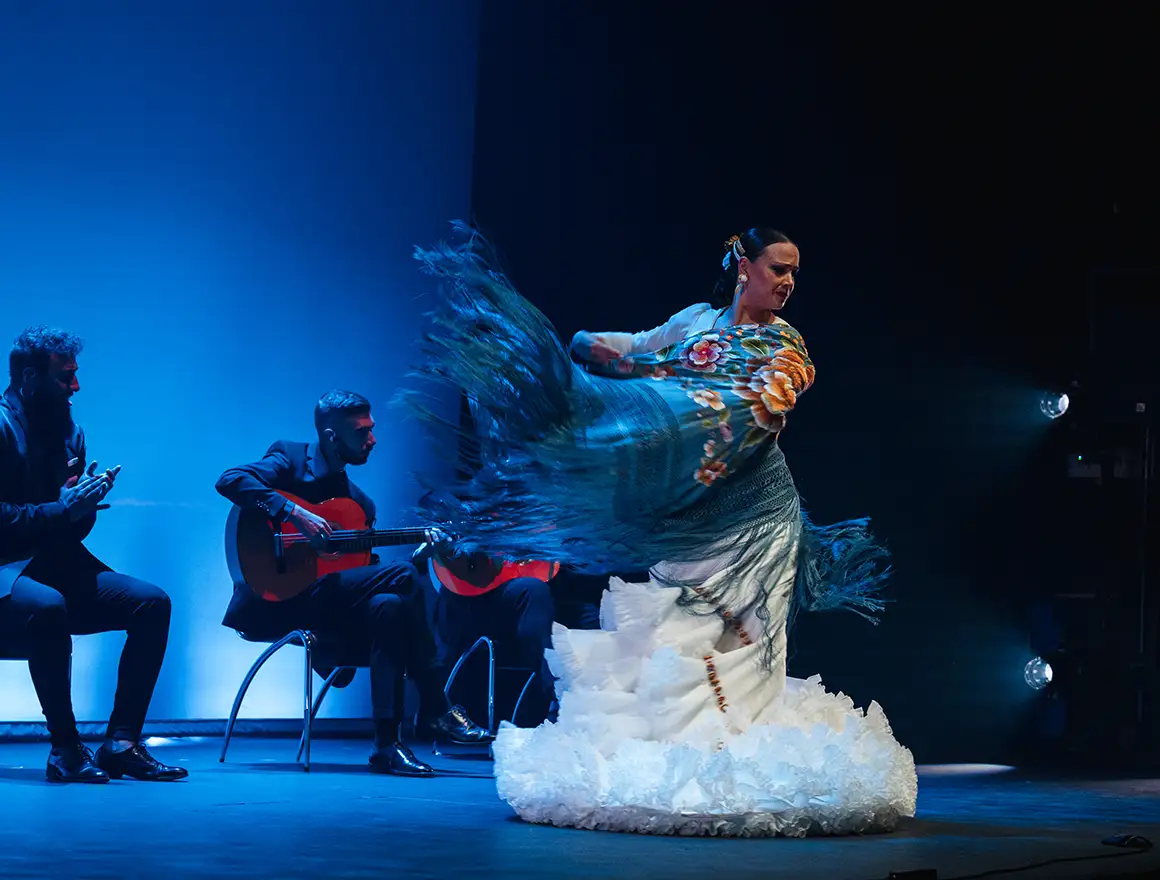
(297, 468)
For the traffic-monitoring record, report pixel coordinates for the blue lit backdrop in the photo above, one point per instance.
(221, 198)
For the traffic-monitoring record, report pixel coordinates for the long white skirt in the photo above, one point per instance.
(668, 725)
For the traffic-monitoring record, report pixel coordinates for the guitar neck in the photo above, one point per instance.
(367, 539)
(350, 541)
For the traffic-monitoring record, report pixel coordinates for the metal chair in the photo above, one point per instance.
(18, 649)
(313, 649)
(492, 668)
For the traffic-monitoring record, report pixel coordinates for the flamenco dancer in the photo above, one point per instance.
(677, 716)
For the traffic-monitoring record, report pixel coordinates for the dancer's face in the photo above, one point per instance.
(771, 277)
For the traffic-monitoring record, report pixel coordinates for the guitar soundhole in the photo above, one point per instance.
(477, 569)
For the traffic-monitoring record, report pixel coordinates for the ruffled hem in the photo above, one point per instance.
(818, 766)
(643, 821)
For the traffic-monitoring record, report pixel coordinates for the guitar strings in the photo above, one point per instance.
(349, 534)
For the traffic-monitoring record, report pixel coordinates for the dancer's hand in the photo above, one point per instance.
(589, 347)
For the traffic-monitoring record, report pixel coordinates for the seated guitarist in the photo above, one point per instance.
(517, 615)
(380, 607)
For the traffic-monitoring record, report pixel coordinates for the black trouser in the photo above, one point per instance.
(380, 609)
(69, 592)
(518, 617)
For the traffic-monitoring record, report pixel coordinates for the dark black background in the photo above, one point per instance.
(953, 178)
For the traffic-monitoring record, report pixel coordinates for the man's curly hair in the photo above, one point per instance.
(36, 345)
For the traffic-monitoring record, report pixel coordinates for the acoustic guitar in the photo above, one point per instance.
(478, 574)
(277, 561)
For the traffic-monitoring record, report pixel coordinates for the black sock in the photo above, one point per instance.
(433, 703)
(386, 732)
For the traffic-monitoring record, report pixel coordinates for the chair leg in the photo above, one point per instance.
(520, 699)
(482, 641)
(308, 704)
(318, 705)
(296, 637)
(490, 689)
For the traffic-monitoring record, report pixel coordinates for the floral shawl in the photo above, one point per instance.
(658, 457)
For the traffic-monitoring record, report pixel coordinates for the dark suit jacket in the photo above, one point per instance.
(294, 467)
(32, 517)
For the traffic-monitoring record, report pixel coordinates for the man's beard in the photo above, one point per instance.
(49, 418)
(349, 455)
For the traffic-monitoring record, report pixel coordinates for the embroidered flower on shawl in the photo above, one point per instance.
(709, 471)
(770, 392)
(708, 398)
(705, 353)
(726, 432)
(663, 371)
(774, 423)
(792, 364)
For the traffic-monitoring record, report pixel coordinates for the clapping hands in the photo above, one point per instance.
(82, 494)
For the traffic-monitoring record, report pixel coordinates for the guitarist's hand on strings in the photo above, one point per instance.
(436, 542)
(315, 528)
(439, 541)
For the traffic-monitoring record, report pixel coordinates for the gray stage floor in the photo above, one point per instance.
(260, 816)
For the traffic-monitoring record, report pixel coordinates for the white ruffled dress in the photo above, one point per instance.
(669, 725)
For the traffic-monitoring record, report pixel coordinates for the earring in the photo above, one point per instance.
(741, 279)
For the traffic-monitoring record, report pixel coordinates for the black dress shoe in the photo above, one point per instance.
(73, 764)
(455, 727)
(136, 763)
(398, 760)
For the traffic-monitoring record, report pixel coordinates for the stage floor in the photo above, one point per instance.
(260, 816)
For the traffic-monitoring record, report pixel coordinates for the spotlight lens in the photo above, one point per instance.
(1037, 673)
(1053, 405)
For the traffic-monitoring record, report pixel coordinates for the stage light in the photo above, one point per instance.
(1038, 673)
(1053, 404)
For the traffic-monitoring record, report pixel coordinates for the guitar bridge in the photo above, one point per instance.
(279, 554)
